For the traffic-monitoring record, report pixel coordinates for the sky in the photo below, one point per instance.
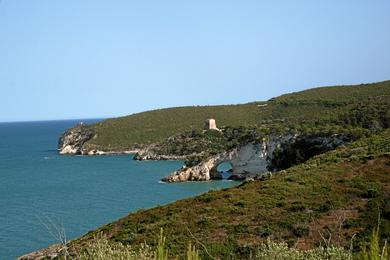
(94, 59)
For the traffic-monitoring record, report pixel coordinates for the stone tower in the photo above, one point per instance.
(210, 124)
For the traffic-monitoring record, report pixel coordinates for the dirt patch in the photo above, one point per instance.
(218, 235)
(329, 229)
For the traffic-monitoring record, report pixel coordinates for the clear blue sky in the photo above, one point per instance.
(83, 59)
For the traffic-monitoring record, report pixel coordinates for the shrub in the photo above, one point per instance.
(239, 204)
(281, 251)
(370, 193)
(301, 230)
(192, 253)
(101, 249)
(297, 207)
(349, 223)
(325, 206)
(205, 198)
(264, 232)
(373, 251)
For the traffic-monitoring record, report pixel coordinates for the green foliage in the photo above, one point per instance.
(162, 251)
(233, 222)
(192, 253)
(354, 108)
(102, 249)
(355, 177)
(207, 197)
(301, 230)
(281, 251)
(375, 251)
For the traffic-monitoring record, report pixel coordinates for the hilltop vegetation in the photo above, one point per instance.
(357, 108)
(335, 197)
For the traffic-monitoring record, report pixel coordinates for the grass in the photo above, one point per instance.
(101, 248)
(330, 200)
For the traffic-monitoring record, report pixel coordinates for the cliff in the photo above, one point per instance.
(74, 139)
(252, 159)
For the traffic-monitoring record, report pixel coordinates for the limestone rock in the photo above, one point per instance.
(247, 159)
(148, 153)
(51, 252)
(72, 141)
(255, 159)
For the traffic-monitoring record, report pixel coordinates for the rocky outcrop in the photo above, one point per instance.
(251, 158)
(150, 154)
(52, 252)
(202, 172)
(304, 147)
(255, 159)
(73, 140)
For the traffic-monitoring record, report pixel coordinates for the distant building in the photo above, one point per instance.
(210, 124)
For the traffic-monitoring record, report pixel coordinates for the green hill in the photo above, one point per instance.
(333, 198)
(338, 195)
(352, 105)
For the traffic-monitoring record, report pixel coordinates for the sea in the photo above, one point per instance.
(44, 194)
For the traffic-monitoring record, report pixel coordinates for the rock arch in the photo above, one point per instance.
(254, 158)
(251, 158)
(224, 167)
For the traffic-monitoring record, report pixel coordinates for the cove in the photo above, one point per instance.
(38, 187)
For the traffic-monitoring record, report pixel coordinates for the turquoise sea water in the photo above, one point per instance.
(39, 188)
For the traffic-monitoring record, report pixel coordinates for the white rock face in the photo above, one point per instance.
(72, 141)
(249, 159)
(68, 149)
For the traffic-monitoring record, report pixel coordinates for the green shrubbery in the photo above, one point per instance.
(281, 251)
(103, 249)
(287, 207)
(374, 251)
(319, 110)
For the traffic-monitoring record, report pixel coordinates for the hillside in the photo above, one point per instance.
(330, 180)
(338, 195)
(352, 105)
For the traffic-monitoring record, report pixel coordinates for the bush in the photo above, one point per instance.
(373, 251)
(264, 232)
(281, 251)
(297, 207)
(325, 207)
(101, 249)
(205, 198)
(301, 230)
(370, 193)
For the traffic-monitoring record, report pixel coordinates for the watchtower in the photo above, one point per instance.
(210, 124)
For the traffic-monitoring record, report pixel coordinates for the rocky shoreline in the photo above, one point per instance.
(256, 156)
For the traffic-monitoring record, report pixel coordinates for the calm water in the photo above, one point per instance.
(38, 187)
